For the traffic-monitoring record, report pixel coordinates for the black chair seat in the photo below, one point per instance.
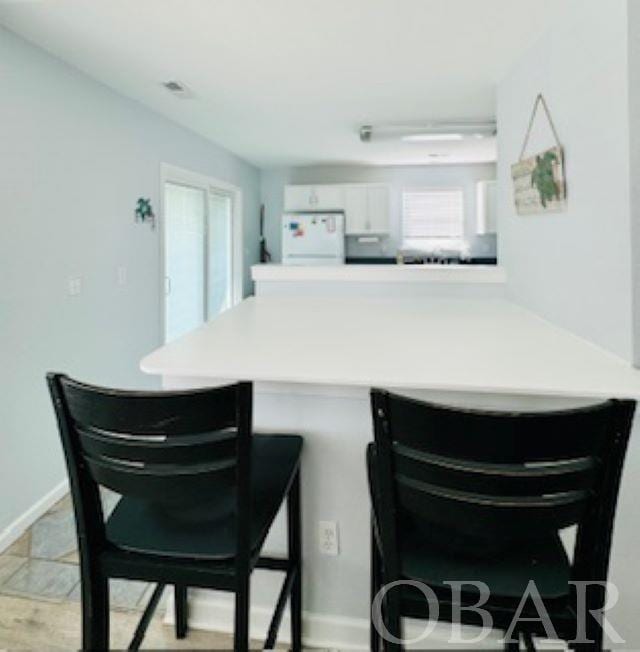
(507, 575)
(207, 530)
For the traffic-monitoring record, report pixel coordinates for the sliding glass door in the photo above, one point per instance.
(184, 259)
(198, 252)
(219, 252)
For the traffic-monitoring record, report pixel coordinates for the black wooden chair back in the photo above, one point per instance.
(172, 449)
(482, 481)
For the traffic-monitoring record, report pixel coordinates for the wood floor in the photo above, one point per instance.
(27, 624)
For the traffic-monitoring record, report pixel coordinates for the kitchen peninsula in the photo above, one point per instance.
(473, 281)
(313, 360)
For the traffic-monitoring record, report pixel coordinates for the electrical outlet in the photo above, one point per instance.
(74, 286)
(328, 538)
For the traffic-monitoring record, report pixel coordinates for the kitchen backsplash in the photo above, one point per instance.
(480, 246)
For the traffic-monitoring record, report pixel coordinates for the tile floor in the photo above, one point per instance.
(43, 563)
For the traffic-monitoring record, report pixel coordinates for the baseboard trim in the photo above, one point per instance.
(15, 530)
(210, 612)
(320, 631)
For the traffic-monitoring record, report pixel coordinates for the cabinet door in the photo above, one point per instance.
(313, 198)
(297, 198)
(487, 209)
(492, 207)
(355, 209)
(327, 198)
(377, 209)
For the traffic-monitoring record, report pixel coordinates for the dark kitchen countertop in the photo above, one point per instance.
(382, 260)
(370, 260)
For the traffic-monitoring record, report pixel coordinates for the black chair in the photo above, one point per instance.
(465, 495)
(199, 493)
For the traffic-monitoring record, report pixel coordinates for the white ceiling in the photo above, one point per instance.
(289, 82)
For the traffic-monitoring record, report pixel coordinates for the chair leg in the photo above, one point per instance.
(241, 631)
(512, 646)
(596, 635)
(181, 609)
(529, 645)
(393, 622)
(587, 647)
(95, 612)
(374, 640)
(147, 615)
(295, 557)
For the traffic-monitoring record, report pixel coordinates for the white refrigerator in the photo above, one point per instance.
(313, 239)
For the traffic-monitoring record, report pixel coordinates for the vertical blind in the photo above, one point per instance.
(432, 216)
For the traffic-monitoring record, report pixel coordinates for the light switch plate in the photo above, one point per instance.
(74, 286)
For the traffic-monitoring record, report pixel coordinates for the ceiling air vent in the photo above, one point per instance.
(177, 88)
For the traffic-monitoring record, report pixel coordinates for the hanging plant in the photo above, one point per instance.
(144, 212)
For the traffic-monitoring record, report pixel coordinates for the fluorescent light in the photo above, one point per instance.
(430, 138)
(429, 132)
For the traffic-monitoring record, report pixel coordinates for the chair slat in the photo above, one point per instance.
(183, 449)
(164, 413)
(500, 479)
(164, 485)
(497, 437)
(504, 518)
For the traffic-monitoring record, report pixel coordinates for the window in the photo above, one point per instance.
(433, 218)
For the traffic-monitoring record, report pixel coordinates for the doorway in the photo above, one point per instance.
(201, 267)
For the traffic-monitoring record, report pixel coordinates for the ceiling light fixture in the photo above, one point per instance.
(428, 138)
(429, 132)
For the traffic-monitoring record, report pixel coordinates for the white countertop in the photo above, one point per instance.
(439, 344)
(381, 273)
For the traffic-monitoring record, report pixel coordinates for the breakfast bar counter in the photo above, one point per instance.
(427, 273)
(391, 281)
(313, 361)
(488, 346)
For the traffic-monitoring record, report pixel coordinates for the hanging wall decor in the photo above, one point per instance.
(144, 212)
(539, 181)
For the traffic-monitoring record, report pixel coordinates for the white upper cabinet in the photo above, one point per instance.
(378, 209)
(355, 209)
(367, 209)
(487, 208)
(366, 206)
(314, 198)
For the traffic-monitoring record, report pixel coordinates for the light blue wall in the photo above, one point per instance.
(74, 157)
(398, 177)
(634, 152)
(574, 268)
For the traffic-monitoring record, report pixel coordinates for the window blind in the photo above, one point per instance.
(432, 217)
